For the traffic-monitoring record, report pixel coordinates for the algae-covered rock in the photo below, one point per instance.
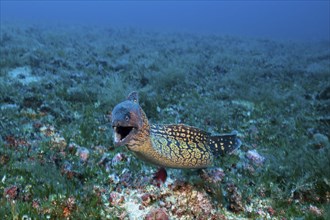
(23, 75)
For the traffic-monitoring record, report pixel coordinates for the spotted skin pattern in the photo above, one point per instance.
(185, 146)
(174, 146)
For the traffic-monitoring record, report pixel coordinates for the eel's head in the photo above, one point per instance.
(126, 120)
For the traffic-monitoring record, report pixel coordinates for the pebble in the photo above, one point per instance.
(11, 192)
(255, 157)
(83, 153)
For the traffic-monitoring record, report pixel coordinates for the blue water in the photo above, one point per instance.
(294, 20)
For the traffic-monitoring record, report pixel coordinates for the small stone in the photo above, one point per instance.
(58, 142)
(316, 211)
(255, 157)
(11, 192)
(146, 199)
(36, 204)
(83, 153)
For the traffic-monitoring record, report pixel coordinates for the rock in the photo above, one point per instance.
(146, 199)
(200, 203)
(11, 107)
(23, 75)
(116, 199)
(58, 142)
(11, 192)
(234, 199)
(157, 214)
(320, 141)
(315, 211)
(255, 157)
(213, 175)
(83, 153)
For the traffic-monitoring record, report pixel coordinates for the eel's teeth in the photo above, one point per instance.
(117, 136)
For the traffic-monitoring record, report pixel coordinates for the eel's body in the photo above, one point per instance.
(174, 146)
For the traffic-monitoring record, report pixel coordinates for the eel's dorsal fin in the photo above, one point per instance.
(134, 97)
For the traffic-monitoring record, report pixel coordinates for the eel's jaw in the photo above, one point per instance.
(122, 135)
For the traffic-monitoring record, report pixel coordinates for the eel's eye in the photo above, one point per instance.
(126, 118)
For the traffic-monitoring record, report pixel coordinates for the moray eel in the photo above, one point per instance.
(172, 146)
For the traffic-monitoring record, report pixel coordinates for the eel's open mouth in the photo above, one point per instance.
(122, 134)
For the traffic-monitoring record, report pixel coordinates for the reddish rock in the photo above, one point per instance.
(157, 214)
(83, 153)
(36, 204)
(146, 199)
(235, 199)
(11, 192)
(271, 211)
(116, 199)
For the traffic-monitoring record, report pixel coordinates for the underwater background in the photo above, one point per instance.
(261, 68)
